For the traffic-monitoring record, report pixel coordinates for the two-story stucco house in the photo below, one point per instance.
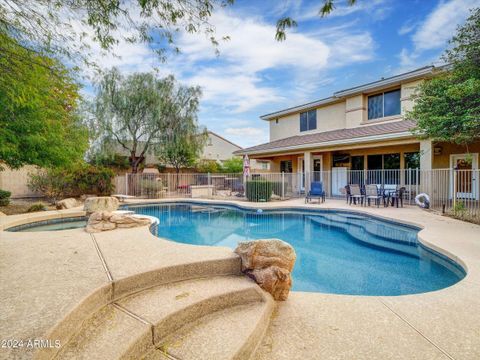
(361, 128)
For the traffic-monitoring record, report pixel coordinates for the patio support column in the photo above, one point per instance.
(426, 155)
(426, 160)
(307, 157)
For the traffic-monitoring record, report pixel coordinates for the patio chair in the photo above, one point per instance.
(356, 193)
(372, 193)
(316, 192)
(397, 197)
(346, 191)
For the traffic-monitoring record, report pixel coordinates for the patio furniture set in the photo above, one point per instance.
(389, 195)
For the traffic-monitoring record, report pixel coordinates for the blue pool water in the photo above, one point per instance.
(337, 252)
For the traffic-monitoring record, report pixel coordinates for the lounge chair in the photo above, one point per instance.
(372, 193)
(316, 192)
(356, 193)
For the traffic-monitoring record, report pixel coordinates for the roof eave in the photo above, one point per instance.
(340, 95)
(394, 136)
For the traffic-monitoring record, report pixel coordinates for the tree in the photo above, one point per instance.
(39, 123)
(287, 22)
(139, 111)
(182, 150)
(70, 28)
(233, 165)
(447, 107)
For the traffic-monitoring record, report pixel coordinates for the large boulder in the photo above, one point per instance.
(105, 220)
(2, 214)
(101, 203)
(270, 263)
(67, 203)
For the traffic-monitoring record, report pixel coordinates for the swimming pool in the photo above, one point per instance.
(51, 225)
(337, 252)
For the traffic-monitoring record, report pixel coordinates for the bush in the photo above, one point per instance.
(259, 190)
(55, 184)
(37, 207)
(111, 160)
(4, 197)
(208, 166)
(232, 166)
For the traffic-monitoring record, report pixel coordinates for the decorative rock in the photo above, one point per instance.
(66, 203)
(270, 263)
(105, 220)
(101, 203)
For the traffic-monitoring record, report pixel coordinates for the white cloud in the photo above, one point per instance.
(247, 136)
(376, 9)
(236, 79)
(441, 24)
(406, 28)
(434, 32)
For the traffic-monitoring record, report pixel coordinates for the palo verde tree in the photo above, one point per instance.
(447, 107)
(138, 111)
(39, 123)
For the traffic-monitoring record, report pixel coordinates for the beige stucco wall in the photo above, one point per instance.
(218, 149)
(16, 181)
(443, 161)
(349, 113)
(330, 117)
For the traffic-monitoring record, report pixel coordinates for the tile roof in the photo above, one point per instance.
(331, 136)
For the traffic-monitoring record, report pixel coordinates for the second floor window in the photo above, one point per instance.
(384, 104)
(308, 120)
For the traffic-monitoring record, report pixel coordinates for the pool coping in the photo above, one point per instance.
(465, 250)
(272, 206)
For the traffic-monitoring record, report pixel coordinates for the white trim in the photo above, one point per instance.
(301, 173)
(474, 195)
(373, 86)
(404, 134)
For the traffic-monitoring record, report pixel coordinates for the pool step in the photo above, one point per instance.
(358, 230)
(144, 322)
(217, 336)
(374, 227)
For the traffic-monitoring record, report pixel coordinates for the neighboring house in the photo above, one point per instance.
(217, 148)
(361, 128)
(220, 149)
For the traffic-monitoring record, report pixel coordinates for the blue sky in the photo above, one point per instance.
(254, 74)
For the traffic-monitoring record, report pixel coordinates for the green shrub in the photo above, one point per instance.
(95, 180)
(5, 197)
(232, 165)
(208, 166)
(259, 190)
(51, 183)
(37, 207)
(56, 184)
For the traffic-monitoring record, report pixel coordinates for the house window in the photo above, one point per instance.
(412, 160)
(286, 166)
(383, 169)
(384, 104)
(308, 120)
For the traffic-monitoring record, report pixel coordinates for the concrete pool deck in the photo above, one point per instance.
(44, 276)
